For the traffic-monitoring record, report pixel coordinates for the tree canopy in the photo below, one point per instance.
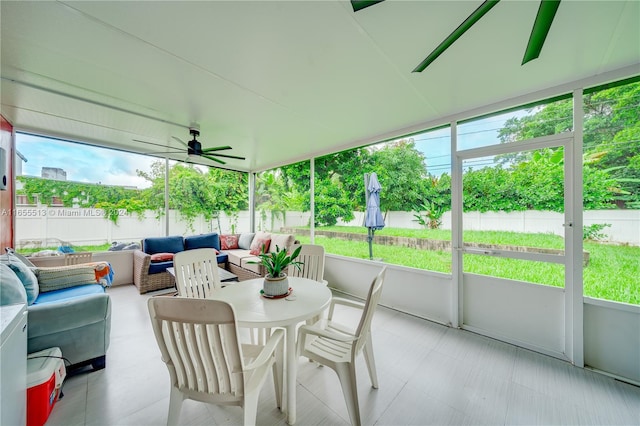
(611, 139)
(195, 193)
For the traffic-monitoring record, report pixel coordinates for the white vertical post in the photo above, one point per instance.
(45, 231)
(252, 197)
(166, 196)
(312, 199)
(574, 307)
(456, 231)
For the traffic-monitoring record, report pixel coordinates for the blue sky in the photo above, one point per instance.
(437, 148)
(83, 163)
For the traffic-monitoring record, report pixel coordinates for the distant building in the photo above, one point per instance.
(53, 173)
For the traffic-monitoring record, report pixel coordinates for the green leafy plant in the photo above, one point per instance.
(594, 232)
(432, 218)
(276, 263)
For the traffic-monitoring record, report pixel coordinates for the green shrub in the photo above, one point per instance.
(594, 232)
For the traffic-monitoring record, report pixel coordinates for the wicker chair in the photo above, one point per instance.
(144, 281)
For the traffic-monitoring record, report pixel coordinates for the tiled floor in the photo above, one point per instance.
(428, 374)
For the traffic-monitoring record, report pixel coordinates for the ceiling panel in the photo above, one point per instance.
(280, 81)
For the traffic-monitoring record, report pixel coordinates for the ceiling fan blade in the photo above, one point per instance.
(468, 23)
(544, 18)
(213, 159)
(166, 152)
(217, 148)
(229, 156)
(153, 143)
(194, 159)
(190, 161)
(361, 4)
(181, 141)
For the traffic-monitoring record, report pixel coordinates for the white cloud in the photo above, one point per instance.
(82, 163)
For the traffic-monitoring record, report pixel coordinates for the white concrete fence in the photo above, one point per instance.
(46, 226)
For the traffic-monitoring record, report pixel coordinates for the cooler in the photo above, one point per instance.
(45, 374)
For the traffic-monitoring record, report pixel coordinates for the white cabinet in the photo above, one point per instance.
(13, 365)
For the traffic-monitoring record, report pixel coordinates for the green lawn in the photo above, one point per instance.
(613, 272)
(103, 247)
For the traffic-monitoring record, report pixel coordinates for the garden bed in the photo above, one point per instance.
(428, 244)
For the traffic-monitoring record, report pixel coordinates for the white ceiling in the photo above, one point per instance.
(281, 81)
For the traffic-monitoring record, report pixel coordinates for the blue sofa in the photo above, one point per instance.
(151, 275)
(66, 309)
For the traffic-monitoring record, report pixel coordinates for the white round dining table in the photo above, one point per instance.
(308, 298)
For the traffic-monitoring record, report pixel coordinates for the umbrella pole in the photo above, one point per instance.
(370, 238)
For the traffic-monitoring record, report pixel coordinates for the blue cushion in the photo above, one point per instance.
(25, 275)
(11, 289)
(173, 244)
(68, 293)
(11, 253)
(156, 268)
(211, 240)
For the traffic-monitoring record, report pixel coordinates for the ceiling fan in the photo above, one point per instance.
(194, 148)
(546, 13)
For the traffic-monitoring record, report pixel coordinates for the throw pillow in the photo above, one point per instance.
(24, 274)
(245, 239)
(211, 240)
(171, 244)
(56, 278)
(161, 257)
(258, 244)
(228, 242)
(23, 259)
(260, 235)
(12, 289)
(281, 242)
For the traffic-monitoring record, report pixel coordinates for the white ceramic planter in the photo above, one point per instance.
(275, 286)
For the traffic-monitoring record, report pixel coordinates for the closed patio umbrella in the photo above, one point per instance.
(373, 216)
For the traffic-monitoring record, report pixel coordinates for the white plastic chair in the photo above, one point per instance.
(196, 273)
(198, 339)
(312, 256)
(334, 345)
(197, 277)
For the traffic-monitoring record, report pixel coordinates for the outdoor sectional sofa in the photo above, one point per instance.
(247, 245)
(151, 262)
(234, 254)
(67, 308)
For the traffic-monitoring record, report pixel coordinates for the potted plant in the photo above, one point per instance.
(276, 263)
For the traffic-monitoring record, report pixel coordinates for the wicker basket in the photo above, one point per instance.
(276, 286)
